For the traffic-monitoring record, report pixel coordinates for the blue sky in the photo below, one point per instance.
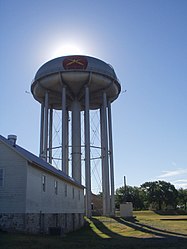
(146, 43)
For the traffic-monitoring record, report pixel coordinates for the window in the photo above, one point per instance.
(44, 183)
(1, 177)
(56, 187)
(66, 190)
(79, 195)
(73, 193)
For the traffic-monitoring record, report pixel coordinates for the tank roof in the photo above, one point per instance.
(78, 63)
(75, 72)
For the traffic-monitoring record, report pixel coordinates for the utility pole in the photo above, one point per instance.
(125, 190)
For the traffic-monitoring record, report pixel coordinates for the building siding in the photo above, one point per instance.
(26, 207)
(13, 191)
(48, 201)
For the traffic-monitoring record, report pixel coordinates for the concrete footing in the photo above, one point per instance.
(41, 222)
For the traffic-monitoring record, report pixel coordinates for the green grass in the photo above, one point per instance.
(146, 230)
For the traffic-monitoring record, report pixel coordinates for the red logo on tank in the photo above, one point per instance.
(75, 62)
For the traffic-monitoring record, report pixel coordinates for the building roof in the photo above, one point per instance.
(38, 162)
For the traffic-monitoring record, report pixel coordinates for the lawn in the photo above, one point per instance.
(146, 230)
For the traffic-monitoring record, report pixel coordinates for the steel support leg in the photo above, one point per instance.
(46, 125)
(87, 153)
(50, 135)
(111, 159)
(76, 141)
(64, 132)
(105, 164)
(42, 131)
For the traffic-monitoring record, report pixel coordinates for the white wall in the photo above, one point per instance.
(48, 201)
(12, 193)
(22, 189)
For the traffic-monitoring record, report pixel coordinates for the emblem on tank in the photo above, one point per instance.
(75, 62)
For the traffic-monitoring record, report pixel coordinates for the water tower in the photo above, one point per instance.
(74, 85)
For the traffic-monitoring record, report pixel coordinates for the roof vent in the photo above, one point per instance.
(12, 139)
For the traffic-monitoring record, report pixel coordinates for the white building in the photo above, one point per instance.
(34, 196)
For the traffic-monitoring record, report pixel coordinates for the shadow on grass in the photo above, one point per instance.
(96, 234)
(150, 229)
(105, 230)
(170, 212)
(163, 239)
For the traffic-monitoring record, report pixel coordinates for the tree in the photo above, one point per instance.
(182, 198)
(160, 194)
(132, 194)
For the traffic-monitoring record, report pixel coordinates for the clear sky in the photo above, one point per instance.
(146, 43)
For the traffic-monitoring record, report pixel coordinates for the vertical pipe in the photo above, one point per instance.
(111, 158)
(50, 134)
(64, 131)
(87, 153)
(67, 142)
(76, 141)
(42, 131)
(102, 160)
(46, 125)
(125, 189)
(105, 164)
